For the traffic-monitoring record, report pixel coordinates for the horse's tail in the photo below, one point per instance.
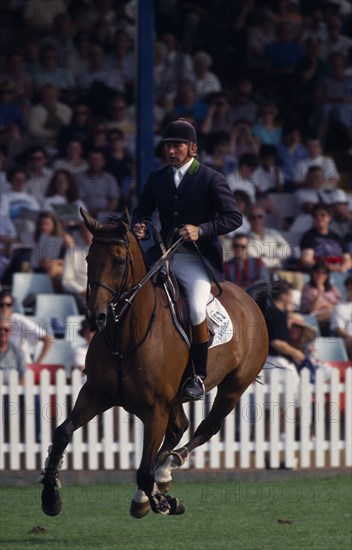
(261, 294)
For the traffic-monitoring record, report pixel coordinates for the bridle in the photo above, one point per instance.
(116, 294)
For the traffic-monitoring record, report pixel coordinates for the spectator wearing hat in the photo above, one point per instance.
(313, 193)
(195, 202)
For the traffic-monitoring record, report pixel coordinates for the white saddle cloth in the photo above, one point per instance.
(222, 324)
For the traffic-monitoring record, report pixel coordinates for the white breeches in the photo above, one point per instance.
(189, 269)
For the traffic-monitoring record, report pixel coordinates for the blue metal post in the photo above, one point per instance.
(145, 91)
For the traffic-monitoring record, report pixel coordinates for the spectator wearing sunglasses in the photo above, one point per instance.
(243, 270)
(24, 333)
(11, 356)
(265, 242)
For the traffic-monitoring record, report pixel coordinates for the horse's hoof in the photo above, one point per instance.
(51, 501)
(139, 509)
(177, 506)
(164, 487)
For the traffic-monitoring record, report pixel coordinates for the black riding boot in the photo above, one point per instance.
(193, 388)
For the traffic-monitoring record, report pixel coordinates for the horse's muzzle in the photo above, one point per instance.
(97, 320)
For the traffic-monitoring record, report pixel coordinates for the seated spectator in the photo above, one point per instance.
(74, 280)
(337, 99)
(119, 163)
(281, 58)
(266, 243)
(289, 152)
(39, 174)
(18, 76)
(313, 27)
(60, 38)
(260, 34)
(314, 193)
(319, 296)
(11, 356)
(78, 62)
(310, 72)
(243, 107)
(243, 270)
(77, 129)
(179, 62)
(316, 158)
(122, 57)
(51, 243)
(121, 118)
(25, 333)
(268, 176)
(267, 131)
(242, 140)
(18, 198)
(48, 117)
(219, 116)
(240, 179)
(63, 191)
(187, 104)
(321, 243)
(11, 116)
(39, 15)
(206, 82)
(50, 73)
(336, 42)
(74, 161)
(219, 157)
(100, 72)
(98, 189)
(341, 318)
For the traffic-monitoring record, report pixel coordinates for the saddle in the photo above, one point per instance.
(178, 304)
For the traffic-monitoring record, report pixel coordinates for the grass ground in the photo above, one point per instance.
(220, 515)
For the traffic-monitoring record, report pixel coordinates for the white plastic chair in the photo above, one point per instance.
(55, 306)
(72, 326)
(331, 349)
(25, 284)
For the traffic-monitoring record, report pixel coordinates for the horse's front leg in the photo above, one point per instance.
(148, 495)
(87, 406)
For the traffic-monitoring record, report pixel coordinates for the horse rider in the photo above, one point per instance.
(194, 202)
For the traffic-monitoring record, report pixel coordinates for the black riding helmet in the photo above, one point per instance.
(180, 130)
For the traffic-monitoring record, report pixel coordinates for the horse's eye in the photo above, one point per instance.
(119, 262)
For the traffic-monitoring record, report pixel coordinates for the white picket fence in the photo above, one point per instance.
(114, 440)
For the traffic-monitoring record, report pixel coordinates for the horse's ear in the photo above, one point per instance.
(125, 218)
(91, 223)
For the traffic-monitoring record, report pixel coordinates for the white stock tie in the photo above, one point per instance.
(177, 177)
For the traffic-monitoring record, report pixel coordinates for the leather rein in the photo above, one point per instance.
(123, 299)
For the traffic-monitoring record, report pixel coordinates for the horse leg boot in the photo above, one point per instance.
(193, 388)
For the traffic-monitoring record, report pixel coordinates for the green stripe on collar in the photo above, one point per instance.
(193, 169)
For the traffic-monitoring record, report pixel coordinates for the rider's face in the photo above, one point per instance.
(177, 153)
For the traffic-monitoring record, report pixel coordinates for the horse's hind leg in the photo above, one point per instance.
(227, 397)
(87, 406)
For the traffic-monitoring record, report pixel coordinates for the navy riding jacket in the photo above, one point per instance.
(203, 198)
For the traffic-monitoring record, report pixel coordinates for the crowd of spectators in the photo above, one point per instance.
(268, 86)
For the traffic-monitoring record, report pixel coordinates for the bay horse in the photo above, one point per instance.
(137, 360)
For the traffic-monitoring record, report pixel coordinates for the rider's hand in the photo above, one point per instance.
(139, 229)
(189, 232)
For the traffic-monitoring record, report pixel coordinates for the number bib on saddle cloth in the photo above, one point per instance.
(219, 322)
